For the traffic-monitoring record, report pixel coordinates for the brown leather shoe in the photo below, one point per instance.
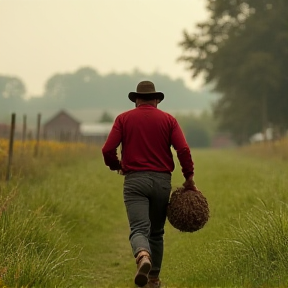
(143, 262)
(153, 283)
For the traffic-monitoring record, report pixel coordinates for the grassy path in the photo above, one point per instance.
(89, 199)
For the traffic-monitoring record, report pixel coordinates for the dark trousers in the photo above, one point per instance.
(146, 195)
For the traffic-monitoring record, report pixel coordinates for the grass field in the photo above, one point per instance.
(67, 226)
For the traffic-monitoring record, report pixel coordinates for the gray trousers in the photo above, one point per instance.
(146, 195)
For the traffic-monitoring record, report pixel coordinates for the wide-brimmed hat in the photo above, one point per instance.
(145, 90)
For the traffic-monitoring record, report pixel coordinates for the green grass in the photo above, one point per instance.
(69, 227)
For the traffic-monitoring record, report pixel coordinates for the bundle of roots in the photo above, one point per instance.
(187, 210)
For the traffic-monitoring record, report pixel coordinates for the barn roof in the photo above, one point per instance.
(95, 129)
(60, 113)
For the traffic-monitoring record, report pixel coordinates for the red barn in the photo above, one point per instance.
(222, 140)
(62, 127)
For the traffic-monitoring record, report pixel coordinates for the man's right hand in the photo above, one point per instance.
(190, 184)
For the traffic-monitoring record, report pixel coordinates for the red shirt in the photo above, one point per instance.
(147, 134)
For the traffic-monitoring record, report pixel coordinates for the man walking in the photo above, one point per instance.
(146, 135)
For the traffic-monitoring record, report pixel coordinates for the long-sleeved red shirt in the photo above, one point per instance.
(147, 134)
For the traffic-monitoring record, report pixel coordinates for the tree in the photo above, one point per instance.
(74, 89)
(198, 130)
(106, 117)
(11, 88)
(242, 50)
(12, 92)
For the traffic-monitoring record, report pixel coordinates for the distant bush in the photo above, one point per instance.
(198, 130)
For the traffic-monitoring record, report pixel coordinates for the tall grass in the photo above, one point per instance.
(214, 257)
(67, 225)
(36, 248)
(257, 253)
(25, 164)
(277, 149)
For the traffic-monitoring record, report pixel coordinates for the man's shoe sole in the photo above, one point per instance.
(141, 278)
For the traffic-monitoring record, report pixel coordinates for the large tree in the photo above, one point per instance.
(76, 89)
(12, 92)
(242, 50)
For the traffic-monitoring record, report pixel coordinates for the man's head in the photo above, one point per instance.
(145, 91)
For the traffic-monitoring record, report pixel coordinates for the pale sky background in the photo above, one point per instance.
(39, 38)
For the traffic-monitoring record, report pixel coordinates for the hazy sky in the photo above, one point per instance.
(39, 38)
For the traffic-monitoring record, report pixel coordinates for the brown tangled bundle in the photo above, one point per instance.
(187, 210)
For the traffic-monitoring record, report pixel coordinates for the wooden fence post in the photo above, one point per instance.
(11, 144)
(36, 150)
(24, 129)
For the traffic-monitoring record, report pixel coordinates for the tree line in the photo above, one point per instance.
(242, 50)
(87, 90)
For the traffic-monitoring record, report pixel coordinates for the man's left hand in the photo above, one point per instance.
(120, 172)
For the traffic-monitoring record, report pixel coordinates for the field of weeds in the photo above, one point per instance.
(63, 222)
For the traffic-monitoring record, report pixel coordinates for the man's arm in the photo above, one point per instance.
(179, 143)
(189, 184)
(109, 149)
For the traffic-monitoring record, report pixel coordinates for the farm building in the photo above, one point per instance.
(222, 140)
(95, 132)
(62, 127)
(260, 137)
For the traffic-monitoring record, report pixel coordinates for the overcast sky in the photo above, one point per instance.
(39, 38)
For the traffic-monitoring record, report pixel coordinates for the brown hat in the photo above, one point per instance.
(145, 90)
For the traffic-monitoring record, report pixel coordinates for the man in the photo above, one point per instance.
(146, 135)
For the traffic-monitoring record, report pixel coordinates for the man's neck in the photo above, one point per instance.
(143, 102)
